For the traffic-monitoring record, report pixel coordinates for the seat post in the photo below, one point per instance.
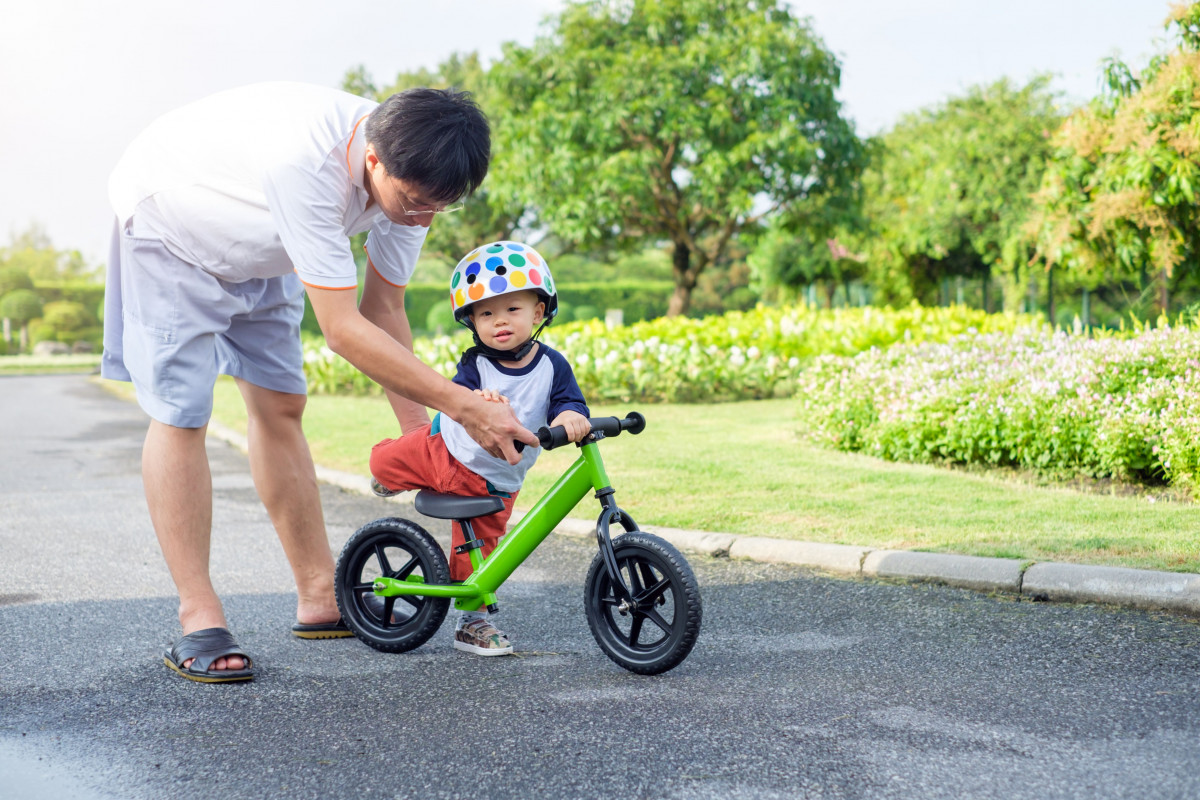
(471, 546)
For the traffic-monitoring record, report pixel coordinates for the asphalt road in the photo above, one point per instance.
(801, 686)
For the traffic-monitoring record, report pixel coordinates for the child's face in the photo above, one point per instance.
(507, 321)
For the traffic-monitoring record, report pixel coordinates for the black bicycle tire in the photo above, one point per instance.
(430, 612)
(677, 644)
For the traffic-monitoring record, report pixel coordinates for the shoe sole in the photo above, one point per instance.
(482, 651)
(322, 634)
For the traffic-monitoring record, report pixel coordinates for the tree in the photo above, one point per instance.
(1118, 202)
(949, 188)
(684, 121)
(21, 306)
(31, 252)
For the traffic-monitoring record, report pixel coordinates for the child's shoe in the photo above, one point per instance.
(380, 490)
(482, 638)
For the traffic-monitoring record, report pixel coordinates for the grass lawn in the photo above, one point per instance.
(739, 468)
(38, 365)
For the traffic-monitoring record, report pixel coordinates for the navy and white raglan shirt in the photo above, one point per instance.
(537, 393)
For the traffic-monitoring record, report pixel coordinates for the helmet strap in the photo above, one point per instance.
(516, 354)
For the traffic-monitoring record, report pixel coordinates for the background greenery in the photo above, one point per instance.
(687, 162)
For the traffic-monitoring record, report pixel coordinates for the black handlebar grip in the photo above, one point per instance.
(551, 438)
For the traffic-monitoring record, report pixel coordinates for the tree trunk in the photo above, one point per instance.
(7, 330)
(685, 281)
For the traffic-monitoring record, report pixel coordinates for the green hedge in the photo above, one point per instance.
(640, 300)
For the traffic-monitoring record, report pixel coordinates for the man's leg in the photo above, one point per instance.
(178, 487)
(286, 481)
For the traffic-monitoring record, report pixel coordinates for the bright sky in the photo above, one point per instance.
(79, 78)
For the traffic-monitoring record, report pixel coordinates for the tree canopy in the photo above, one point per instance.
(1119, 197)
(681, 121)
(950, 187)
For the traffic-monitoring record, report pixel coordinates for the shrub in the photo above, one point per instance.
(1058, 403)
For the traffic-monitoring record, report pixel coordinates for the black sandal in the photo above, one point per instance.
(322, 630)
(204, 647)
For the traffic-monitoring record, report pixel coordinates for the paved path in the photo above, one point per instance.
(800, 686)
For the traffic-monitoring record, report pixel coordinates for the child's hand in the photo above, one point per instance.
(576, 425)
(491, 395)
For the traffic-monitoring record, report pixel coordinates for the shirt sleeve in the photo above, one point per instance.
(468, 374)
(565, 394)
(308, 207)
(392, 250)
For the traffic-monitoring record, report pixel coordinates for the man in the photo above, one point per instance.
(228, 211)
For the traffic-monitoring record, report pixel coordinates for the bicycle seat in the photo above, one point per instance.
(454, 506)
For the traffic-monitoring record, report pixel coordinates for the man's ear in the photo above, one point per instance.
(372, 158)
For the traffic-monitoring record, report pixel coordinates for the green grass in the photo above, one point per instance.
(37, 365)
(739, 468)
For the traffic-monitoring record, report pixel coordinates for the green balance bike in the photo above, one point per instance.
(641, 598)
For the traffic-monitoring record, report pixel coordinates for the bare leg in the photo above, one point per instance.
(286, 481)
(178, 487)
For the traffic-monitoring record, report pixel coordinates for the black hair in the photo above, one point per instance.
(437, 139)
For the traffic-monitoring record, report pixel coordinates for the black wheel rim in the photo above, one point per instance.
(650, 622)
(385, 556)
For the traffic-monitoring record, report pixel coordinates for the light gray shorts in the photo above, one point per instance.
(171, 328)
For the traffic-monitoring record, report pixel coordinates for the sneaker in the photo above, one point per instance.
(380, 490)
(481, 638)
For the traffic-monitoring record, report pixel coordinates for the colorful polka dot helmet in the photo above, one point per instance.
(499, 268)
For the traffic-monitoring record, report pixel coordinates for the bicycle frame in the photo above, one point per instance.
(586, 473)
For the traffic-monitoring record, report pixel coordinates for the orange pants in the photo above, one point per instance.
(420, 461)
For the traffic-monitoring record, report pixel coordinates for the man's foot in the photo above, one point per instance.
(380, 490)
(209, 656)
(481, 638)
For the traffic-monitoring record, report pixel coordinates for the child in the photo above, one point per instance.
(504, 294)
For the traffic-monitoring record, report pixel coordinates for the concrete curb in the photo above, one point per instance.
(1177, 592)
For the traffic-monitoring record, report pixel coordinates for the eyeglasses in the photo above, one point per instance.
(401, 197)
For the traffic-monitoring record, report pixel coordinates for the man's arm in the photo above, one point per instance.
(382, 303)
(387, 362)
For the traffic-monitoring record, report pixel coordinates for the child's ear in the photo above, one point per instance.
(541, 312)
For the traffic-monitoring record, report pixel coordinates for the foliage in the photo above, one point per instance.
(948, 190)
(67, 316)
(32, 253)
(13, 278)
(1119, 197)
(21, 305)
(1117, 406)
(665, 120)
(741, 355)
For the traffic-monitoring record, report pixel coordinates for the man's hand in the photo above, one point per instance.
(576, 425)
(494, 426)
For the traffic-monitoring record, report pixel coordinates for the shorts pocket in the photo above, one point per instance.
(149, 292)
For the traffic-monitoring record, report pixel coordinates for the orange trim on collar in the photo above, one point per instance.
(353, 133)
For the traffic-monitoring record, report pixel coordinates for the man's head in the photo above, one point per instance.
(435, 143)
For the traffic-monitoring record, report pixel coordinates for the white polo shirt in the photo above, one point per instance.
(260, 181)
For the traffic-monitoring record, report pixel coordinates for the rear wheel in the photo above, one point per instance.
(391, 548)
(657, 629)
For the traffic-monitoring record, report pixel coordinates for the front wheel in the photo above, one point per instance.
(657, 629)
(391, 548)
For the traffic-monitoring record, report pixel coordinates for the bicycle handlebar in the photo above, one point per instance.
(551, 438)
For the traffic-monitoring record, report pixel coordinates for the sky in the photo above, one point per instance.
(79, 78)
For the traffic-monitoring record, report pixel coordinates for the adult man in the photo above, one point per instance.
(228, 210)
